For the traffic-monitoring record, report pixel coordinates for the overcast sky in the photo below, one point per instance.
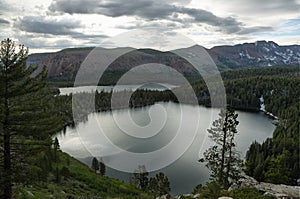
(50, 25)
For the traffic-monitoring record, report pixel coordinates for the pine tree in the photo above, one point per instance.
(28, 117)
(222, 158)
(95, 165)
(102, 168)
(140, 177)
(56, 148)
(159, 185)
(277, 172)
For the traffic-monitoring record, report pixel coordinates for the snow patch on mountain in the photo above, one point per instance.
(262, 104)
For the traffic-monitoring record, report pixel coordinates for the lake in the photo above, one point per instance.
(87, 140)
(133, 87)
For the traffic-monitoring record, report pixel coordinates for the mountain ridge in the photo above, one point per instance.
(64, 64)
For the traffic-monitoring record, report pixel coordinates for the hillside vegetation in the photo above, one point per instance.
(32, 166)
(76, 180)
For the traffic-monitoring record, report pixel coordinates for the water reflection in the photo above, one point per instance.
(186, 172)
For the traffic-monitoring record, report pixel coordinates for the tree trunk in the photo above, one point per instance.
(222, 177)
(6, 141)
(7, 166)
(223, 160)
(7, 155)
(229, 162)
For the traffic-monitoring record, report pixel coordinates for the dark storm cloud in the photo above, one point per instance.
(41, 25)
(147, 9)
(227, 24)
(74, 6)
(113, 8)
(37, 24)
(3, 21)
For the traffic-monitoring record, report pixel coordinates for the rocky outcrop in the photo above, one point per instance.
(187, 196)
(258, 54)
(164, 197)
(277, 191)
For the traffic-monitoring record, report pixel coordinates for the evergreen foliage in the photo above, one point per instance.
(95, 165)
(222, 158)
(159, 185)
(28, 118)
(102, 168)
(140, 177)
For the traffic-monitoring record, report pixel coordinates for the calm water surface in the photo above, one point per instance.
(186, 172)
(89, 89)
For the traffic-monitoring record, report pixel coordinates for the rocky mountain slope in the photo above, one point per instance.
(258, 54)
(63, 65)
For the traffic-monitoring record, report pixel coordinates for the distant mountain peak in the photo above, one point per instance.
(266, 43)
(63, 65)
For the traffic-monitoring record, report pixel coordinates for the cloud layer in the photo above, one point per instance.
(153, 10)
(3, 21)
(36, 24)
(59, 23)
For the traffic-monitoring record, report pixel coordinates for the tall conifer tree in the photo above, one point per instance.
(28, 116)
(222, 158)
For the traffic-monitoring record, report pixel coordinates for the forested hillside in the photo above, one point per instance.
(32, 166)
(277, 159)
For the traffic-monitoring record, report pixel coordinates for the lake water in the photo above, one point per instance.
(86, 139)
(133, 87)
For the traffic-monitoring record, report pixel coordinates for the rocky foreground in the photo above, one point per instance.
(277, 191)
